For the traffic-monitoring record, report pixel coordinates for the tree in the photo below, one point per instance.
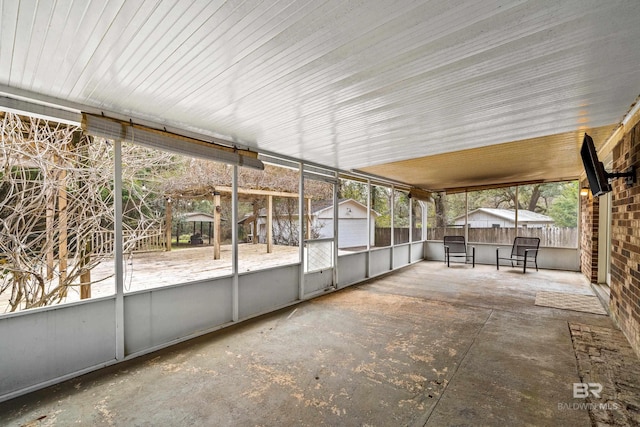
(558, 199)
(401, 209)
(355, 190)
(55, 196)
(57, 207)
(381, 203)
(564, 210)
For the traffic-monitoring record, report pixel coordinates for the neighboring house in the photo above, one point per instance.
(504, 218)
(352, 223)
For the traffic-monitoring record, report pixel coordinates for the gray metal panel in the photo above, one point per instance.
(380, 261)
(39, 346)
(352, 268)
(559, 259)
(400, 256)
(417, 251)
(434, 251)
(163, 315)
(317, 281)
(266, 290)
(551, 258)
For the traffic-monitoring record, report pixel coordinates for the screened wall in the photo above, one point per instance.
(115, 209)
(548, 211)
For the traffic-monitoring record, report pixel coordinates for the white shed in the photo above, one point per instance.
(352, 223)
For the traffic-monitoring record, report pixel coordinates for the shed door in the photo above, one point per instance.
(352, 233)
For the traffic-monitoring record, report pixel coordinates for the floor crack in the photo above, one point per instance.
(423, 422)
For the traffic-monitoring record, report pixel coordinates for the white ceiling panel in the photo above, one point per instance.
(349, 84)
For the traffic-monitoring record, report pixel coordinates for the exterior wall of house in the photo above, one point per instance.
(484, 220)
(624, 302)
(534, 224)
(625, 251)
(589, 219)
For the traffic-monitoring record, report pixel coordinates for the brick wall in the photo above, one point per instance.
(625, 240)
(589, 215)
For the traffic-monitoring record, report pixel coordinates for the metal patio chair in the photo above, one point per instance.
(523, 251)
(456, 247)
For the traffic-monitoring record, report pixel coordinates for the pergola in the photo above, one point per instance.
(215, 194)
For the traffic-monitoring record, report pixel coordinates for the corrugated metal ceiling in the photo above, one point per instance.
(347, 84)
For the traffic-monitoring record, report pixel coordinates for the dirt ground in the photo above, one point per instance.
(184, 264)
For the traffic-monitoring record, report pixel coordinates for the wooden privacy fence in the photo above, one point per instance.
(153, 240)
(551, 236)
(400, 235)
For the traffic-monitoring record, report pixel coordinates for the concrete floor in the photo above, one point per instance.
(428, 345)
